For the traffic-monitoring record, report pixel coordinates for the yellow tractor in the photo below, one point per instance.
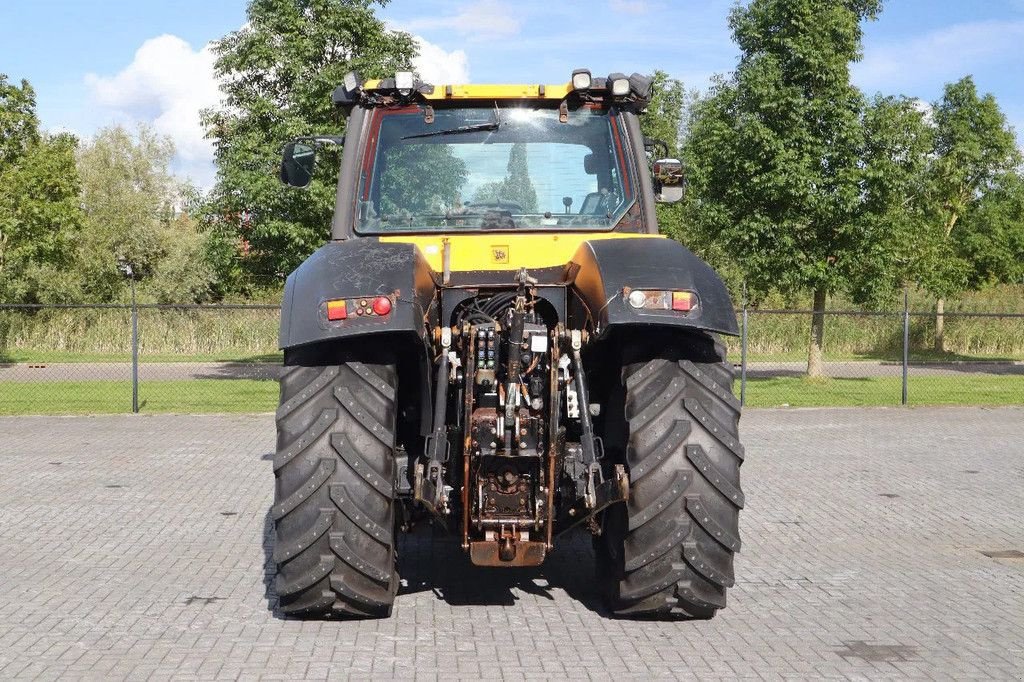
(497, 340)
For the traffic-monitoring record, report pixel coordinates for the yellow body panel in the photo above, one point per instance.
(483, 91)
(503, 250)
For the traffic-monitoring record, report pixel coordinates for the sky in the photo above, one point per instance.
(99, 63)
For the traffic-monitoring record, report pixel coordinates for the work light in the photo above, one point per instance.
(351, 81)
(581, 79)
(404, 82)
(618, 83)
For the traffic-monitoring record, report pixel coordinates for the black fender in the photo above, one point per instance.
(362, 269)
(357, 269)
(605, 268)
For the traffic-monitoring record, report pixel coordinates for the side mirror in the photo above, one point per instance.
(297, 162)
(669, 182)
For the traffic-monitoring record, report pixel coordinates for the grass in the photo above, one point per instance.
(968, 389)
(165, 335)
(247, 395)
(51, 357)
(98, 335)
(109, 397)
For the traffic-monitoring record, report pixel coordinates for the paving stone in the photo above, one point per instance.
(146, 554)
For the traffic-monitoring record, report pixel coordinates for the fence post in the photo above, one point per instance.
(743, 350)
(906, 342)
(135, 349)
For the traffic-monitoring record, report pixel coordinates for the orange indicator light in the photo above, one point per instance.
(337, 310)
(682, 301)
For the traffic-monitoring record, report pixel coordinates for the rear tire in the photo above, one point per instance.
(334, 491)
(669, 550)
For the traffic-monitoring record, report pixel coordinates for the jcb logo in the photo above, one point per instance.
(499, 254)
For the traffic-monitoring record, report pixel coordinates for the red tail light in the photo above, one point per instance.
(382, 305)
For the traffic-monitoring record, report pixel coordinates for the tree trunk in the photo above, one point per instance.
(815, 364)
(940, 325)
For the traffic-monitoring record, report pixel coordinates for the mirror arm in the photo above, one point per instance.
(320, 140)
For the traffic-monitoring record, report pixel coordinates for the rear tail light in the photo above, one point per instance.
(646, 299)
(342, 309)
(382, 305)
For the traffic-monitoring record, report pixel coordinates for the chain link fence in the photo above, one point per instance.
(85, 359)
(89, 359)
(879, 358)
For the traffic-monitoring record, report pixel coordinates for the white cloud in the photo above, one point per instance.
(435, 65)
(940, 55)
(480, 20)
(166, 85)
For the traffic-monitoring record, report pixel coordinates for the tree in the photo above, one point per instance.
(277, 75)
(774, 152)
(992, 238)
(663, 119)
(132, 213)
(894, 165)
(974, 147)
(39, 211)
(19, 125)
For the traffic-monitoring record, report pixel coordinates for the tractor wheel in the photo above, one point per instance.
(334, 501)
(669, 550)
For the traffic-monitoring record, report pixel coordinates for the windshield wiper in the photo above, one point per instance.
(492, 125)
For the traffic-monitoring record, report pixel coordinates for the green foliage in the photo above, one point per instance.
(39, 211)
(993, 236)
(897, 142)
(663, 119)
(133, 214)
(774, 152)
(126, 193)
(103, 334)
(19, 125)
(278, 73)
(975, 151)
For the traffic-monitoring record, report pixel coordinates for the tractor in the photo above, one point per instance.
(497, 342)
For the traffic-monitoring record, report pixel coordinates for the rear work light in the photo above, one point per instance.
(679, 301)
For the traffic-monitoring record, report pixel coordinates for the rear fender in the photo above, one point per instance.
(357, 269)
(360, 269)
(603, 269)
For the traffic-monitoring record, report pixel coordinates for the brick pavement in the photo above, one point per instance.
(136, 547)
